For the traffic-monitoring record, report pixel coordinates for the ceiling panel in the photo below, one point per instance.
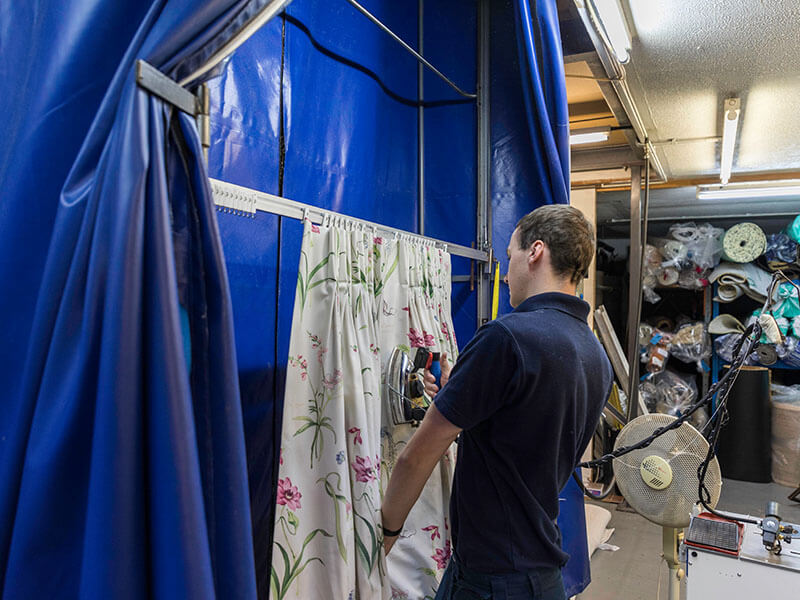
(688, 55)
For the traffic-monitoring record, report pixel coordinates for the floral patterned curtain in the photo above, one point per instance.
(358, 295)
(415, 312)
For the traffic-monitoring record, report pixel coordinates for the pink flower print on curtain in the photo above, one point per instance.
(442, 555)
(356, 435)
(330, 381)
(420, 340)
(288, 494)
(434, 531)
(365, 469)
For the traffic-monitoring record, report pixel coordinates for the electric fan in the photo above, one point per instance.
(660, 481)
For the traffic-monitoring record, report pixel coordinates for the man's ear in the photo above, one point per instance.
(536, 252)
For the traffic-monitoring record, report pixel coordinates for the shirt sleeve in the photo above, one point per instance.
(484, 379)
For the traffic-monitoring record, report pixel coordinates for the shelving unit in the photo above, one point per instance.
(738, 308)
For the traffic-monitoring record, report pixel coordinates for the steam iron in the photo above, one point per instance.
(404, 386)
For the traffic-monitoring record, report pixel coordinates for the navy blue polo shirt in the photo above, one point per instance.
(527, 391)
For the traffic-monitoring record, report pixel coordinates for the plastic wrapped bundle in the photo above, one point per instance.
(676, 255)
(724, 346)
(789, 351)
(652, 273)
(691, 343)
(787, 305)
(786, 434)
(693, 278)
(781, 250)
(653, 348)
(676, 393)
(703, 243)
(650, 394)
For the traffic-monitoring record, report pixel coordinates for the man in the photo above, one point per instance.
(525, 396)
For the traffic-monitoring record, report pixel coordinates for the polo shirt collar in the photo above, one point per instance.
(567, 303)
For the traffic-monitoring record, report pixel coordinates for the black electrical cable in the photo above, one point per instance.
(368, 72)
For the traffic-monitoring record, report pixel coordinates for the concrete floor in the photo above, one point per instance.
(632, 572)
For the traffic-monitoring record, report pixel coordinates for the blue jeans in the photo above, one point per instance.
(459, 583)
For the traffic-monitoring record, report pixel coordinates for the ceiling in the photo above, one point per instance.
(687, 56)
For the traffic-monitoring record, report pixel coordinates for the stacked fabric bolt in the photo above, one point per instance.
(736, 279)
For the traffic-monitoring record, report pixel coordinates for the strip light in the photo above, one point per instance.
(616, 27)
(761, 189)
(731, 109)
(589, 136)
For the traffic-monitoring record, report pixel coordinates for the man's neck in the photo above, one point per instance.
(544, 285)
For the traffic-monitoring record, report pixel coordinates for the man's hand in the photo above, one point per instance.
(430, 381)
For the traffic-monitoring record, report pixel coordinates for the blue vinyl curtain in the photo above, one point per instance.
(542, 73)
(121, 443)
(529, 117)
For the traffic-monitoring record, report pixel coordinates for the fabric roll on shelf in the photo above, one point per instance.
(724, 323)
(668, 276)
(744, 448)
(733, 280)
(743, 243)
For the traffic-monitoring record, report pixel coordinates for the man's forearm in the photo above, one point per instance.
(414, 466)
(408, 478)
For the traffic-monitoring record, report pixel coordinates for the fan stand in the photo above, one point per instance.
(671, 544)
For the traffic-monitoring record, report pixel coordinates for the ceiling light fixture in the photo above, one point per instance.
(613, 20)
(756, 189)
(589, 136)
(731, 108)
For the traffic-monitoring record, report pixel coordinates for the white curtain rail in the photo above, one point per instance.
(247, 201)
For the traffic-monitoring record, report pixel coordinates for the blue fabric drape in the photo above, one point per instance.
(542, 70)
(122, 455)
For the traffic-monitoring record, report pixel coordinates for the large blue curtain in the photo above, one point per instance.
(121, 444)
(530, 168)
(529, 118)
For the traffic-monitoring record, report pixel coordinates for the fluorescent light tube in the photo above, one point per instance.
(613, 21)
(764, 190)
(588, 137)
(730, 119)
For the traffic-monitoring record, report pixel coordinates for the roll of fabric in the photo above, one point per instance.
(767, 355)
(744, 449)
(668, 276)
(744, 243)
(664, 324)
(736, 279)
(674, 252)
(723, 324)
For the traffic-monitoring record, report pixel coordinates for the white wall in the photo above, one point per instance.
(586, 202)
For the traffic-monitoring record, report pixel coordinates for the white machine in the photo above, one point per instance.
(741, 561)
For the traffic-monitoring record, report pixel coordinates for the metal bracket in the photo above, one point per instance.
(155, 82)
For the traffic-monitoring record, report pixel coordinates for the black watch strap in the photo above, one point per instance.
(390, 533)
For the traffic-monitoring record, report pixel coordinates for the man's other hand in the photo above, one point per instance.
(430, 381)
